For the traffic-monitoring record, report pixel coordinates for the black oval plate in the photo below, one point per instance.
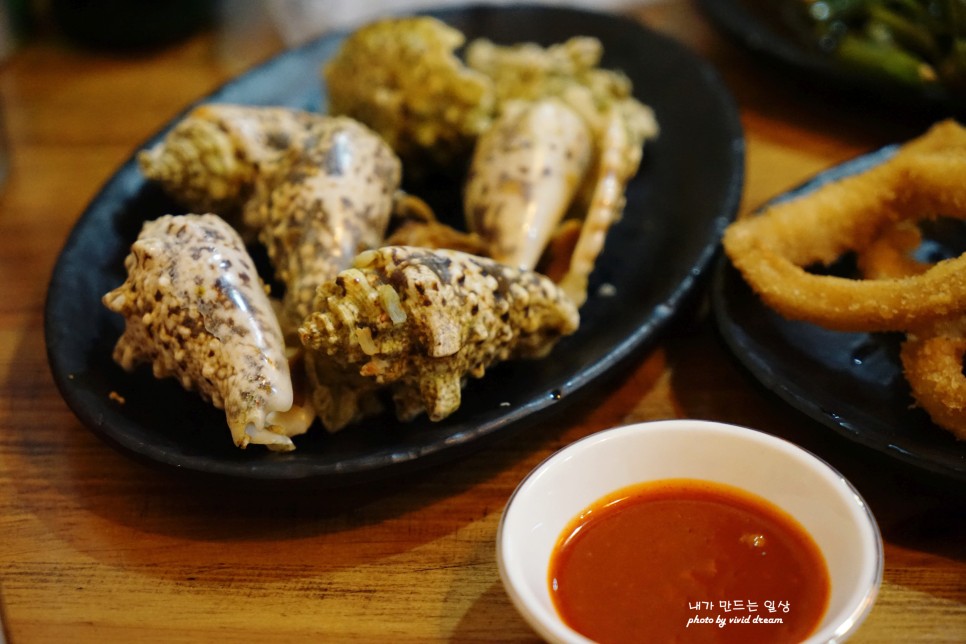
(774, 29)
(688, 190)
(849, 382)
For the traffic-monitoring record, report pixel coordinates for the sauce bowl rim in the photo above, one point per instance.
(549, 625)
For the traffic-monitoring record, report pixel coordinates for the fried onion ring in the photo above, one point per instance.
(932, 362)
(932, 359)
(875, 214)
(774, 249)
(889, 256)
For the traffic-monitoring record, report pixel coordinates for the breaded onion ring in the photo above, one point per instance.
(875, 214)
(932, 358)
(889, 256)
(932, 362)
(773, 250)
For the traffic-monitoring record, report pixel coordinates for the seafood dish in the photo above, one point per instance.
(380, 303)
(874, 215)
(656, 257)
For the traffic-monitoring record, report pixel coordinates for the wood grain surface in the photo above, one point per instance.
(95, 547)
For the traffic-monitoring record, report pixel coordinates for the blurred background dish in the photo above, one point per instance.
(783, 32)
(299, 21)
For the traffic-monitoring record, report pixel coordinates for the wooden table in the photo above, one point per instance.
(96, 547)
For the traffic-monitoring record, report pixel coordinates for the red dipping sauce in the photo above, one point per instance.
(683, 560)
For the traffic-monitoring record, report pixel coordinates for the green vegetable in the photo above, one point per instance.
(885, 60)
(917, 43)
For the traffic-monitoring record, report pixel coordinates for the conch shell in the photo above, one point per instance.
(332, 200)
(314, 189)
(210, 160)
(196, 310)
(420, 322)
(525, 172)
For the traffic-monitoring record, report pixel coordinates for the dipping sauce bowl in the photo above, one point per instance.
(820, 499)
